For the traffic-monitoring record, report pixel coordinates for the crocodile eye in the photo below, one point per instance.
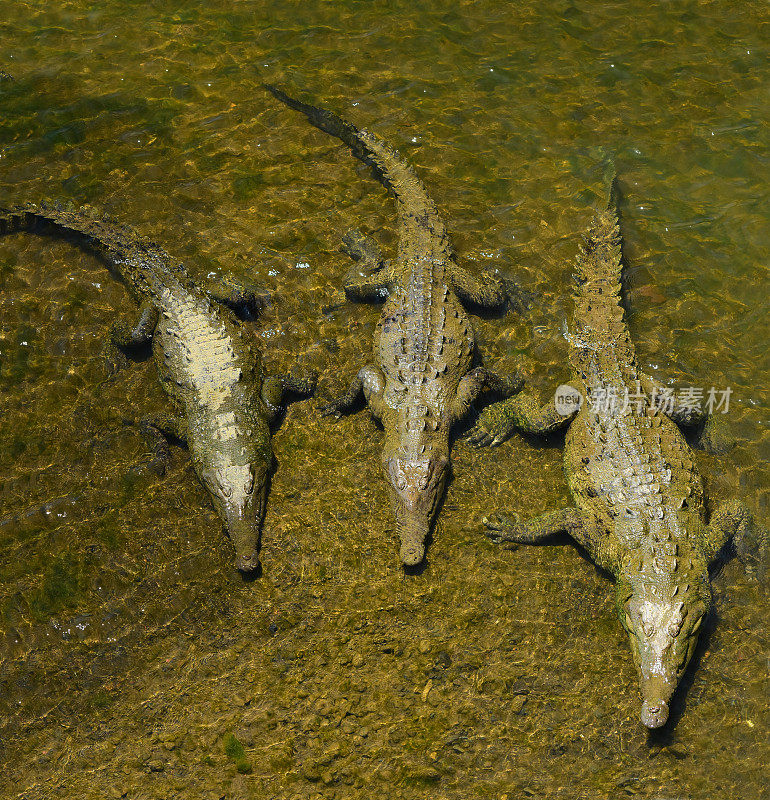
(248, 486)
(648, 628)
(697, 625)
(673, 628)
(629, 624)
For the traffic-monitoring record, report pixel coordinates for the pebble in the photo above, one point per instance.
(517, 703)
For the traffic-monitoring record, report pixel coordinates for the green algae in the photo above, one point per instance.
(235, 752)
(60, 587)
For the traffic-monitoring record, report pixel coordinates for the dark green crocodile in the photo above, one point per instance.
(421, 380)
(639, 502)
(207, 364)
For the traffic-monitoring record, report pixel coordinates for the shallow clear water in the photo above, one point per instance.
(129, 648)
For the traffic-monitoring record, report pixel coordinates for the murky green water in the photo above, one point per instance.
(130, 649)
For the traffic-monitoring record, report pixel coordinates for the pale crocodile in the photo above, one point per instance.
(422, 379)
(207, 363)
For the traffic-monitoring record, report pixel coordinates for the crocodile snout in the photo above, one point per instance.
(654, 715)
(247, 563)
(416, 485)
(412, 547)
(413, 523)
(242, 526)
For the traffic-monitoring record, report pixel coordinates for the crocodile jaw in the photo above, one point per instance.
(654, 714)
(242, 525)
(239, 493)
(656, 695)
(662, 635)
(416, 484)
(412, 531)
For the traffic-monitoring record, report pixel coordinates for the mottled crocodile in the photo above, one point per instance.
(206, 362)
(422, 378)
(639, 501)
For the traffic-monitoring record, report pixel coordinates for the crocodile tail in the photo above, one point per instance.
(599, 312)
(110, 241)
(416, 209)
(132, 259)
(599, 260)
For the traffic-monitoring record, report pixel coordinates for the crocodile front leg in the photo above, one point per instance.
(498, 421)
(486, 291)
(472, 385)
(124, 337)
(584, 528)
(157, 431)
(371, 382)
(275, 387)
(372, 276)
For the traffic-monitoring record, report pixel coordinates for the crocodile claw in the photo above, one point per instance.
(499, 527)
(330, 410)
(479, 437)
(114, 361)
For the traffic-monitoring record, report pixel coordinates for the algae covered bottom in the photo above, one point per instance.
(131, 651)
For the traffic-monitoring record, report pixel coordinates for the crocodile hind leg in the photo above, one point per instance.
(302, 382)
(124, 337)
(472, 385)
(371, 383)
(237, 295)
(487, 291)
(372, 275)
(582, 526)
(714, 436)
(522, 412)
(663, 397)
(157, 431)
(731, 521)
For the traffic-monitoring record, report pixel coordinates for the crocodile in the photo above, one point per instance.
(422, 379)
(206, 363)
(639, 506)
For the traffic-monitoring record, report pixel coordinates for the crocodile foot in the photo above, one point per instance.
(114, 359)
(715, 437)
(114, 363)
(237, 295)
(333, 409)
(492, 428)
(501, 528)
(301, 380)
